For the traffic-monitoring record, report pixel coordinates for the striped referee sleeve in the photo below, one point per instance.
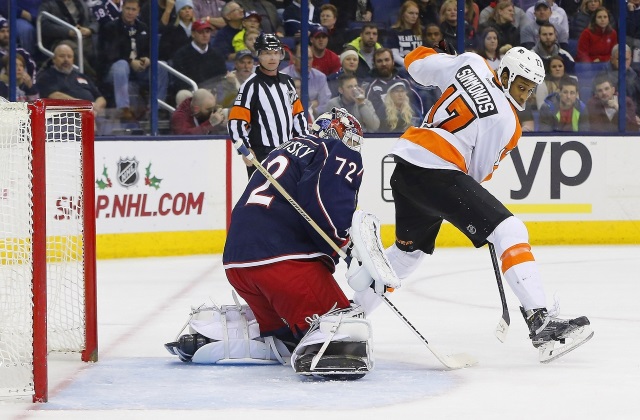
(267, 111)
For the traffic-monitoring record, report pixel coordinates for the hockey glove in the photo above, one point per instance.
(445, 47)
(374, 266)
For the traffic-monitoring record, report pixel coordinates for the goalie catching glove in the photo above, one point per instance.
(373, 267)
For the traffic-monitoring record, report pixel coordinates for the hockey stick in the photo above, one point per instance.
(503, 325)
(451, 361)
(455, 361)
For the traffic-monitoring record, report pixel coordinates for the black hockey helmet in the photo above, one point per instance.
(266, 42)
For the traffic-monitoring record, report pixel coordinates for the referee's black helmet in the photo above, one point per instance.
(268, 42)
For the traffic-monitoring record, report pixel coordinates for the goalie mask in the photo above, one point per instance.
(340, 125)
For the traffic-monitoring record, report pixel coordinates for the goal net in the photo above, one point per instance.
(47, 241)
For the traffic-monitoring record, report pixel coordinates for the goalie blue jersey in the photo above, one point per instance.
(323, 176)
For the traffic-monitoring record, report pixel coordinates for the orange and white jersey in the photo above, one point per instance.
(471, 128)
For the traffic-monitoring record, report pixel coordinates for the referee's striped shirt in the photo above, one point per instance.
(267, 111)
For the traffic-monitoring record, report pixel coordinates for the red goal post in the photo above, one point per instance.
(47, 241)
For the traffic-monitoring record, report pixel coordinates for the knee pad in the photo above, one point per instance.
(403, 263)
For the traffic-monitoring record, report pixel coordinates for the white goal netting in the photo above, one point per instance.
(65, 315)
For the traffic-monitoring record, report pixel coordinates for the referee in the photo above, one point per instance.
(267, 111)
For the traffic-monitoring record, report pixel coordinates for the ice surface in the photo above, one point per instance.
(453, 301)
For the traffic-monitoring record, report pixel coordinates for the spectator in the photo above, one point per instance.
(520, 17)
(598, 39)
(249, 39)
(251, 22)
(328, 19)
(633, 23)
(124, 47)
(406, 34)
(547, 47)
(104, 11)
(271, 22)
(563, 110)
(27, 14)
(349, 61)
(30, 65)
(449, 25)
(386, 75)
(352, 98)
(292, 21)
(267, 111)
(178, 33)
(432, 35)
(324, 59)
(398, 114)
(243, 68)
(527, 121)
(211, 12)
(199, 115)
(570, 7)
(603, 109)
(558, 19)
(166, 12)
(75, 13)
(61, 81)
(488, 47)
(552, 79)
(502, 20)
(352, 11)
(530, 33)
(319, 93)
(471, 14)
(26, 89)
(198, 61)
(233, 14)
(580, 21)
(428, 12)
(632, 79)
(365, 45)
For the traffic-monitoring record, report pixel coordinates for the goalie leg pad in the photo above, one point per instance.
(368, 249)
(338, 345)
(226, 334)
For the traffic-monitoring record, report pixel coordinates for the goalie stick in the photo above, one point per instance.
(503, 324)
(454, 361)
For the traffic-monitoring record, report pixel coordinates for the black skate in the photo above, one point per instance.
(343, 361)
(555, 337)
(187, 345)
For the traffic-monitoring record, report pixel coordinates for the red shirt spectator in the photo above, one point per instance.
(598, 39)
(324, 59)
(199, 115)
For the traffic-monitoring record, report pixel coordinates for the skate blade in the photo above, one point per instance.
(332, 367)
(550, 352)
(171, 348)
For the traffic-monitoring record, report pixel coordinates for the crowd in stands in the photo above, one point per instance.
(356, 52)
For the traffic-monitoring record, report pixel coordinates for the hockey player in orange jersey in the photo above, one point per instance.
(440, 166)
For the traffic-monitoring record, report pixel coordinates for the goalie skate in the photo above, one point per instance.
(337, 346)
(340, 361)
(555, 337)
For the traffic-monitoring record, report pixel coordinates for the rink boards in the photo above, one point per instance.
(173, 196)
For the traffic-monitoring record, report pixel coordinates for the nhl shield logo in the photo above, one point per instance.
(128, 172)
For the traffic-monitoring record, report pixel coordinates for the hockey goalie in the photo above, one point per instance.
(283, 269)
